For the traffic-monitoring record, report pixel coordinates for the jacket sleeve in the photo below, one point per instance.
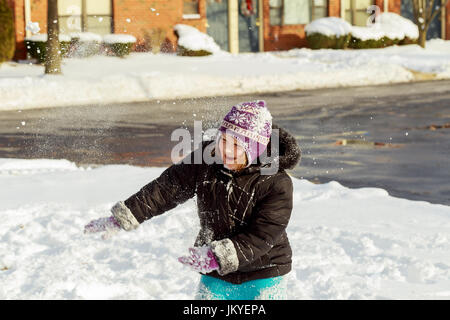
(174, 186)
(269, 221)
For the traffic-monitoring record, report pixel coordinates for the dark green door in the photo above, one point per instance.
(248, 31)
(217, 16)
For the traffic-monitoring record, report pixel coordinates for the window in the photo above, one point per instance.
(291, 12)
(319, 9)
(85, 15)
(190, 7)
(356, 11)
(276, 10)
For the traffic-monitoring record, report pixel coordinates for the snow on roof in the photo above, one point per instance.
(192, 39)
(118, 38)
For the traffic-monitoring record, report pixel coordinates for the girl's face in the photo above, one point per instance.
(233, 155)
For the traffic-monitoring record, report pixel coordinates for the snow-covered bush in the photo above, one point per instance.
(328, 32)
(36, 45)
(192, 42)
(336, 33)
(119, 44)
(84, 44)
(7, 40)
(392, 22)
(390, 29)
(370, 38)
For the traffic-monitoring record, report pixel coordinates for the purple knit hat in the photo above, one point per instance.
(251, 124)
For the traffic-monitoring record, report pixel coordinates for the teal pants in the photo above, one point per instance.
(211, 288)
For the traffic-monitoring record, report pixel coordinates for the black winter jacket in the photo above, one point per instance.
(243, 214)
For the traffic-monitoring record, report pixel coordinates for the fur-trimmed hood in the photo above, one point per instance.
(289, 151)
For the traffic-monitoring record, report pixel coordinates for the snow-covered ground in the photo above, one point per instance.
(347, 243)
(146, 76)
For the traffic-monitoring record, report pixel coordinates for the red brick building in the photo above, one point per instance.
(236, 25)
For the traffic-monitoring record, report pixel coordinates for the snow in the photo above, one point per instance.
(33, 27)
(147, 76)
(192, 39)
(86, 36)
(398, 23)
(42, 37)
(118, 38)
(389, 24)
(329, 26)
(367, 33)
(347, 243)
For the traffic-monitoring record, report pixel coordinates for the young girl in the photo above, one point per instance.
(242, 250)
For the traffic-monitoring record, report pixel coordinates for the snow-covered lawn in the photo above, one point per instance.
(347, 243)
(146, 76)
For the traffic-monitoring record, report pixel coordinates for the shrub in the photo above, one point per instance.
(328, 33)
(321, 41)
(372, 43)
(36, 46)
(386, 41)
(119, 45)
(7, 39)
(84, 44)
(119, 49)
(356, 43)
(408, 40)
(182, 51)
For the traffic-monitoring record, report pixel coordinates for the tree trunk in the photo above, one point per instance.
(53, 51)
(423, 36)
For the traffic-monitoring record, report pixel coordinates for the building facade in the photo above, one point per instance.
(236, 25)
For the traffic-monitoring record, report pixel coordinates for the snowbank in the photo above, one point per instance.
(147, 76)
(347, 243)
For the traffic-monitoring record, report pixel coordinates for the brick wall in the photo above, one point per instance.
(38, 14)
(447, 24)
(395, 6)
(144, 19)
(281, 37)
(19, 25)
(138, 11)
